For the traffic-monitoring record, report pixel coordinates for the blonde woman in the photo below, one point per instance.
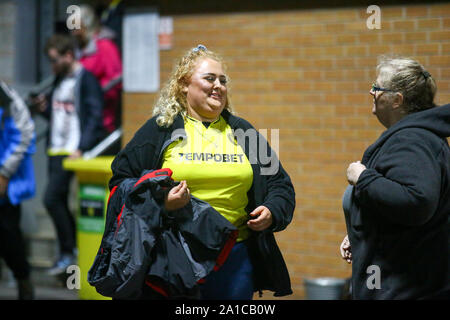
(398, 203)
(194, 133)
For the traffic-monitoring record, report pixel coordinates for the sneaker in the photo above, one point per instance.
(26, 290)
(61, 265)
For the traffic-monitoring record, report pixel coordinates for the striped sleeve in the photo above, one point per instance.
(21, 137)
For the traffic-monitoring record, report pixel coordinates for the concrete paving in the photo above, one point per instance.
(8, 292)
(45, 287)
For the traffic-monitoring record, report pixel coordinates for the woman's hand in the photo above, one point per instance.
(354, 170)
(346, 250)
(3, 185)
(75, 155)
(263, 220)
(178, 197)
(39, 103)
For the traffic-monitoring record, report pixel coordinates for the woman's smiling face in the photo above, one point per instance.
(206, 90)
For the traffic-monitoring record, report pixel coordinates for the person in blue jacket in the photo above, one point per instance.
(17, 144)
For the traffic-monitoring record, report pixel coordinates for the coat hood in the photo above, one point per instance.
(436, 120)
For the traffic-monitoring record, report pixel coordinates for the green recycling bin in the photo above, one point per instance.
(92, 176)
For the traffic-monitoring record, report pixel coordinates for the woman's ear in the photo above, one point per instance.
(184, 86)
(398, 100)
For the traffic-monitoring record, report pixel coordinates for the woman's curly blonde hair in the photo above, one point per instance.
(172, 99)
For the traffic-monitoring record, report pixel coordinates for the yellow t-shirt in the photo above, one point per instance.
(215, 168)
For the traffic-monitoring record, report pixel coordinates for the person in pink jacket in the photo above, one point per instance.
(100, 55)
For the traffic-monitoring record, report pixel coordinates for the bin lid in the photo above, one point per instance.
(100, 164)
(325, 281)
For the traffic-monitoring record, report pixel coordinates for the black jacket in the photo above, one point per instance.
(171, 252)
(398, 219)
(273, 190)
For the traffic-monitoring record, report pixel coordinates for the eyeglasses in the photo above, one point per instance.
(375, 88)
(54, 60)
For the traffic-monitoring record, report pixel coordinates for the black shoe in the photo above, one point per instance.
(26, 290)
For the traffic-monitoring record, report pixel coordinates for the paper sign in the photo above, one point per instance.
(165, 33)
(141, 51)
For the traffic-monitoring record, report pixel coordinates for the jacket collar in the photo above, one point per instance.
(231, 119)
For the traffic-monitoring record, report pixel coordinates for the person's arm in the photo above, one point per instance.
(405, 186)
(20, 134)
(92, 104)
(135, 157)
(42, 103)
(3, 185)
(112, 68)
(40, 106)
(280, 197)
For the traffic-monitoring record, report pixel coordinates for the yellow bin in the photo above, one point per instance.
(93, 176)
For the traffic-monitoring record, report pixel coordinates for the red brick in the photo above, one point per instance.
(403, 25)
(355, 51)
(431, 48)
(379, 49)
(432, 24)
(346, 39)
(403, 49)
(439, 35)
(386, 13)
(439, 10)
(446, 22)
(392, 37)
(415, 36)
(312, 52)
(441, 61)
(416, 11)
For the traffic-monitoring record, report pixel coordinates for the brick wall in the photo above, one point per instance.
(308, 73)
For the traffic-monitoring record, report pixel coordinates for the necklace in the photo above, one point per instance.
(194, 124)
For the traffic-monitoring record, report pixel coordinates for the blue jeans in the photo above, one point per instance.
(234, 280)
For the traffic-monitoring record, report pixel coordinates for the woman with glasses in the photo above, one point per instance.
(397, 206)
(215, 166)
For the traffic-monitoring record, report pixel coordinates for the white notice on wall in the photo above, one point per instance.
(165, 33)
(141, 51)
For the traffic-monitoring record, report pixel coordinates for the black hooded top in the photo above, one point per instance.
(398, 212)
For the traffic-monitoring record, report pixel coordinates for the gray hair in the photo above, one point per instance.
(409, 77)
(89, 20)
